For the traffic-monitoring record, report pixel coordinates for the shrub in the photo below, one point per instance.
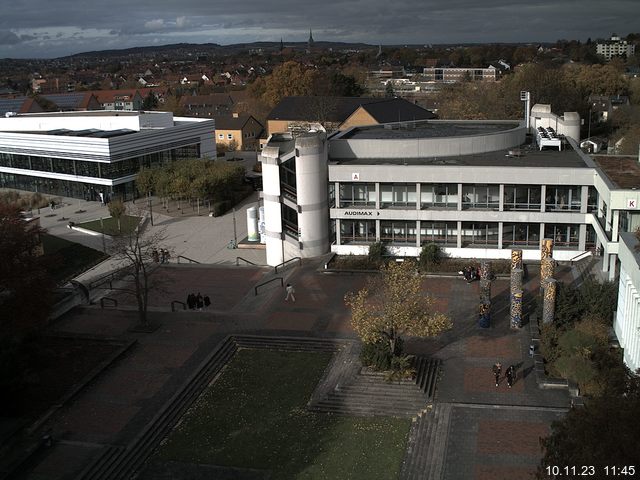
(377, 251)
(378, 355)
(430, 255)
(220, 208)
(401, 368)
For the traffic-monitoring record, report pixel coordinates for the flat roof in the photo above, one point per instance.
(624, 172)
(428, 129)
(525, 156)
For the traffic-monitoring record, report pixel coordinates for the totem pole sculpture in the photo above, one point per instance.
(486, 275)
(517, 274)
(549, 303)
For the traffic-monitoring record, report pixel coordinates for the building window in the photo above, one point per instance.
(522, 197)
(479, 234)
(440, 233)
(398, 195)
(221, 136)
(521, 235)
(290, 222)
(357, 195)
(592, 200)
(563, 235)
(562, 198)
(357, 231)
(229, 136)
(398, 232)
(485, 197)
(443, 195)
(288, 178)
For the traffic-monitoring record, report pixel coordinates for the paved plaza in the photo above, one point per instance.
(492, 432)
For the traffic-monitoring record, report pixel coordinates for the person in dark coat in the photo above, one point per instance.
(497, 370)
(207, 301)
(199, 301)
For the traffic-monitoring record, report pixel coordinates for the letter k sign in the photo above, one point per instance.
(631, 203)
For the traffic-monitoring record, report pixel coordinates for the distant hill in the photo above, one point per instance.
(200, 48)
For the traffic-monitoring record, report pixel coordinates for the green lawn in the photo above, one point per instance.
(67, 259)
(254, 416)
(128, 224)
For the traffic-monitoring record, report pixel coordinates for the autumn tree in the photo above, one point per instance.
(394, 304)
(135, 251)
(603, 433)
(289, 79)
(25, 294)
(117, 209)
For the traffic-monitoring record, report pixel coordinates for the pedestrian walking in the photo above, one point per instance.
(207, 301)
(155, 256)
(191, 301)
(162, 255)
(290, 293)
(497, 370)
(511, 375)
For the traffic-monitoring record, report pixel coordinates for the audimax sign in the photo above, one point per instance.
(360, 213)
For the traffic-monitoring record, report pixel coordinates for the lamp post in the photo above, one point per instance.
(150, 207)
(235, 233)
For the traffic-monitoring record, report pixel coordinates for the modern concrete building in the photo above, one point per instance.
(85, 154)
(615, 47)
(475, 188)
(458, 74)
(627, 320)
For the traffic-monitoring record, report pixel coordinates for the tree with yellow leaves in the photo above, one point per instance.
(393, 304)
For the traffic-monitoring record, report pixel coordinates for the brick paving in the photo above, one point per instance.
(492, 433)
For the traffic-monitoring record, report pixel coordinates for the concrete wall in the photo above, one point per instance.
(427, 147)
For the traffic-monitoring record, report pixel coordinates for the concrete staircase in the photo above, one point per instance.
(426, 448)
(118, 462)
(361, 392)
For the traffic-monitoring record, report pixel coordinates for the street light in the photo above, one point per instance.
(150, 207)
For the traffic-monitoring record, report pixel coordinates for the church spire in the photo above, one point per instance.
(310, 41)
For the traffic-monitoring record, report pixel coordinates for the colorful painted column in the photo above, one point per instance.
(516, 309)
(549, 301)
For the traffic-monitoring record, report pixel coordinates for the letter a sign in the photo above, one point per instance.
(355, 177)
(632, 203)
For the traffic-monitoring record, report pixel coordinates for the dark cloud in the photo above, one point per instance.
(371, 21)
(8, 38)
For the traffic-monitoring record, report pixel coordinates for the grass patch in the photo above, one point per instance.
(128, 224)
(65, 259)
(254, 416)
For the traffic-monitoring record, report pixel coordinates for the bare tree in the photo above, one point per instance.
(138, 252)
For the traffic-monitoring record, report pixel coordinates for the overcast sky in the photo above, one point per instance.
(53, 28)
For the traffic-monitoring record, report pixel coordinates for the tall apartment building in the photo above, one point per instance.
(615, 47)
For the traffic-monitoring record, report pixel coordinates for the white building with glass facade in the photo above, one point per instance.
(475, 188)
(83, 154)
(627, 317)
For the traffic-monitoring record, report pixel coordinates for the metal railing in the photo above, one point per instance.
(109, 277)
(255, 290)
(298, 259)
(113, 300)
(578, 257)
(190, 260)
(178, 302)
(244, 260)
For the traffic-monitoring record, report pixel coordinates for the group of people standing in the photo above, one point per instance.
(198, 302)
(510, 374)
(470, 273)
(160, 257)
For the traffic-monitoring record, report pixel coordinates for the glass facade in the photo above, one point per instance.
(443, 195)
(84, 168)
(357, 231)
(562, 198)
(522, 197)
(398, 195)
(479, 234)
(521, 235)
(398, 232)
(564, 235)
(357, 195)
(484, 197)
(288, 178)
(440, 233)
(290, 222)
